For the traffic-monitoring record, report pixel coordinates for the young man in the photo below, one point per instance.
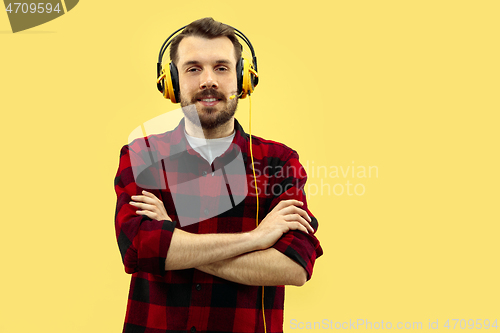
(208, 275)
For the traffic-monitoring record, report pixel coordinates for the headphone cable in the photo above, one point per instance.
(256, 191)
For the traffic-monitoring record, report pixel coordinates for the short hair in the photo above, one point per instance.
(207, 28)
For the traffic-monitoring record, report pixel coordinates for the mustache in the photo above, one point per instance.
(209, 92)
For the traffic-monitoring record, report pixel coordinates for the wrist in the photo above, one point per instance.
(255, 240)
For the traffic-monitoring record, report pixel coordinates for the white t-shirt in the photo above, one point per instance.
(210, 149)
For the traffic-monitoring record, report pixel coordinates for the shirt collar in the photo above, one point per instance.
(179, 145)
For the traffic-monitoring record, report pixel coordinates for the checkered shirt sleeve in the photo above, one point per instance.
(288, 183)
(143, 242)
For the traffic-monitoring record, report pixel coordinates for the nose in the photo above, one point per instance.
(208, 80)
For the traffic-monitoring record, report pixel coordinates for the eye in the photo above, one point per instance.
(192, 69)
(221, 69)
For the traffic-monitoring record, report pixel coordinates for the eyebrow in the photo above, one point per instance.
(196, 62)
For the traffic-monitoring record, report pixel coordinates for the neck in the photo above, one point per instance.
(221, 131)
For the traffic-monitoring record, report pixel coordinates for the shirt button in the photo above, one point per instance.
(204, 173)
(193, 329)
(198, 287)
(206, 211)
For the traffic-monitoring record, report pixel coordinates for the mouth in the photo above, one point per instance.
(209, 101)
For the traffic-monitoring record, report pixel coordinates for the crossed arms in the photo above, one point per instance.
(246, 258)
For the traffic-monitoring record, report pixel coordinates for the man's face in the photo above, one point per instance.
(207, 78)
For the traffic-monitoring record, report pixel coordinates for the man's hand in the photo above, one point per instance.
(284, 217)
(150, 206)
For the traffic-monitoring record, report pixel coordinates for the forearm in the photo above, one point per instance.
(260, 268)
(186, 250)
(191, 250)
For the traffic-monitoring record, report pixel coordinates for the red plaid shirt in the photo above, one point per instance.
(189, 299)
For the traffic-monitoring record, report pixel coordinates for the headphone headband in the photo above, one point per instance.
(238, 33)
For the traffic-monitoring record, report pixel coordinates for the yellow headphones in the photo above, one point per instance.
(168, 78)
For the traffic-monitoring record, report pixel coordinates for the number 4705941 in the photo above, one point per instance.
(33, 8)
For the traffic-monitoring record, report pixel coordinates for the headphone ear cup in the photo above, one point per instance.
(171, 83)
(255, 80)
(160, 85)
(248, 79)
(239, 75)
(174, 84)
(168, 92)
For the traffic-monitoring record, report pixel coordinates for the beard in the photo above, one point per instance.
(207, 116)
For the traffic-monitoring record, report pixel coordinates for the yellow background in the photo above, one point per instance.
(409, 87)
